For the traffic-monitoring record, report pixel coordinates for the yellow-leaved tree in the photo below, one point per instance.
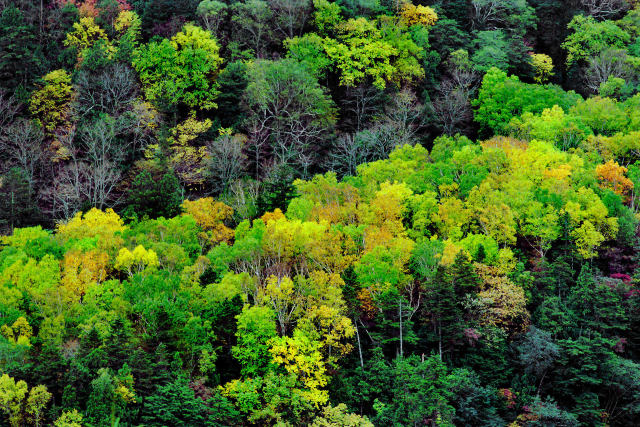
(210, 215)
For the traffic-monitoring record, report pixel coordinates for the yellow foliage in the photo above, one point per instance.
(124, 388)
(210, 215)
(542, 67)
(50, 104)
(106, 226)
(281, 294)
(450, 252)
(137, 261)
(272, 216)
(590, 217)
(187, 160)
(190, 275)
(505, 143)
(494, 217)
(333, 201)
(12, 396)
(558, 178)
(128, 23)
(300, 356)
(418, 15)
(612, 176)
(69, 419)
(504, 303)
(82, 269)
(335, 330)
(19, 333)
(146, 116)
(85, 35)
(587, 239)
(388, 206)
(324, 310)
(367, 305)
(296, 244)
(453, 218)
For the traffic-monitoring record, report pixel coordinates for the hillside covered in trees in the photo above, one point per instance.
(306, 212)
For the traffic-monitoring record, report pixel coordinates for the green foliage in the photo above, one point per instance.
(20, 60)
(256, 327)
(419, 390)
(358, 267)
(231, 83)
(180, 71)
(379, 51)
(502, 97)
(590, 37)
(492, 50)
(17, 205)
(174, 404)
(154, 197)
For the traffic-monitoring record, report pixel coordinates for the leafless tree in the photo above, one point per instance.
(351, 150)
(87, 168)
(258, 143)
(226, 161)
(242, 196)
(111, 91)
(289, 110)
(9, 109)
(64, 197)
(290, 16)
(22, 142)
(104, 153)
(487, 14)
(361, 103)
(609, 63)
(139, 125)
(604, 9)
(403, 116)
(347, 153)
(451, 109)
(517, 15)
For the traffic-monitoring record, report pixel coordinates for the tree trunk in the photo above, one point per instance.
(440, 339)
(359, 346)
(400, 312)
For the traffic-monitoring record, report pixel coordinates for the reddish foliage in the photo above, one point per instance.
(90, 7)
(509, 396)
(472, 336)
(619, 347)
(624, 277)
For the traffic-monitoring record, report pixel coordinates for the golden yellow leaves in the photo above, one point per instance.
(210, 216)
(592, 225)
(128, 21)
(85, 34)
(106, 226)
(612, 176)
(272, 216)
(82, 269)
(418, 15)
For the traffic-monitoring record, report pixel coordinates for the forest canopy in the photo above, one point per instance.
(324, 213)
